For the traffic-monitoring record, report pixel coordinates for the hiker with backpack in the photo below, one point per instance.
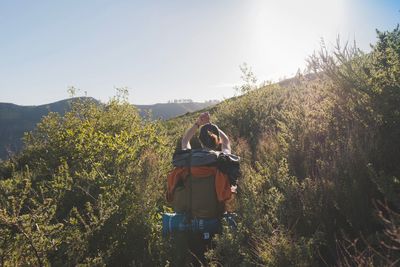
(199, 188)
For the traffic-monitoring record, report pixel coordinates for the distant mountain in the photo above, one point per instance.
(15, 120)
(169, 110)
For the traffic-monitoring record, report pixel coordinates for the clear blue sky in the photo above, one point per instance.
(164, 50)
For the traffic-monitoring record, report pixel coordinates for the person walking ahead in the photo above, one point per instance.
(210, 135)
(199, 188)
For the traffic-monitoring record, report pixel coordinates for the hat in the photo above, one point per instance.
(208, 132)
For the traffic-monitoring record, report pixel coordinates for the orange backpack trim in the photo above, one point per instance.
(222, 185)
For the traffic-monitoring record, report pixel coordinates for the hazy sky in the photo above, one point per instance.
(164, 50)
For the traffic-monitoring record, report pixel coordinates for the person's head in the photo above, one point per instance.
(209, 136)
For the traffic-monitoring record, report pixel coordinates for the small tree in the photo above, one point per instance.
(249, 79)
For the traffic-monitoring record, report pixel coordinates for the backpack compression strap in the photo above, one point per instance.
(189, 215)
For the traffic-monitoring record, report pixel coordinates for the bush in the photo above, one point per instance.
(95, 182)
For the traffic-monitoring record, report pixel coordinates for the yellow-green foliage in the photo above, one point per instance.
(86, 189)
(320, 163)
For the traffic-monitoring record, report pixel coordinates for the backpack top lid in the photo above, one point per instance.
(200, 157)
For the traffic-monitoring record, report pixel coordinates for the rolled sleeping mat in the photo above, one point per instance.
(174, 222)
(177, 222)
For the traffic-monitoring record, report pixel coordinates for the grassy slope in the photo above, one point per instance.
(308, 140)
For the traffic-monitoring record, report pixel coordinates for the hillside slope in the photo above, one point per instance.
(320, 162)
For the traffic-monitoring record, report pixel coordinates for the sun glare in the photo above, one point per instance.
(284, 32)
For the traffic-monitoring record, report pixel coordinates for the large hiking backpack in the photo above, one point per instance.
(196, 195)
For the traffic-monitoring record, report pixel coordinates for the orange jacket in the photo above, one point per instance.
(222, 185)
